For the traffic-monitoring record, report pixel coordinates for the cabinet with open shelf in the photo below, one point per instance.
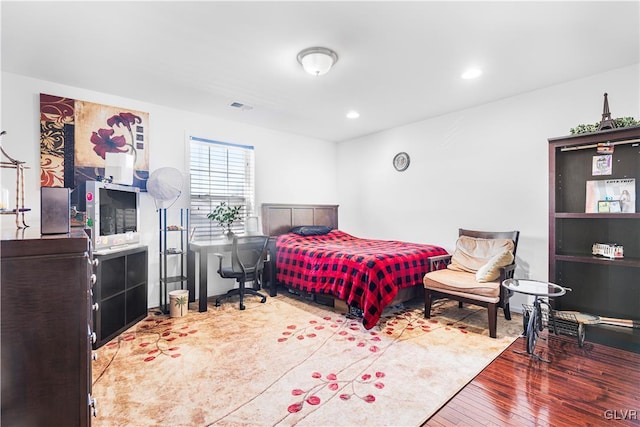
(120, 291)
(601, 286)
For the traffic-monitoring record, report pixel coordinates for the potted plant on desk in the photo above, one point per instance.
(225, 215)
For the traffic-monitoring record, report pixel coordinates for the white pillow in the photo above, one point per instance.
(491, 270)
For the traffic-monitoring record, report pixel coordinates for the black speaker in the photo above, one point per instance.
(55, 208)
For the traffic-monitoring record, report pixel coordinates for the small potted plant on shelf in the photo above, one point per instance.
(225, 215)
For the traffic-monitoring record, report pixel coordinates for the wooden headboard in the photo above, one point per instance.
(280, 218)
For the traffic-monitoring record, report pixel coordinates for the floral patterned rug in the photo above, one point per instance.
(291, 362)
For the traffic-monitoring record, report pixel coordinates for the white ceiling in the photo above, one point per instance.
(399, 62)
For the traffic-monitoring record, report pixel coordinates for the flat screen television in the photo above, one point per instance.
(112, 213)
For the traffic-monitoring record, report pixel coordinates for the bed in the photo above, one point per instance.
(366, 274)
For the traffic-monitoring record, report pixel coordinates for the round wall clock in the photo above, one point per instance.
(401, 161)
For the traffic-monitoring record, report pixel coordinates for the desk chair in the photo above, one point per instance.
(247, 264)
(474, 273)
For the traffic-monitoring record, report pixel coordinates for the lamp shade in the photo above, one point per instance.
(317, 60)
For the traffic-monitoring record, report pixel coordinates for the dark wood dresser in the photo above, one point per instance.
(46, 329)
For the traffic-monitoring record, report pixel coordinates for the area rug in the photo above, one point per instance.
(291, 362)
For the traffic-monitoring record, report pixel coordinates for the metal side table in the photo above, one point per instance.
(539, 290)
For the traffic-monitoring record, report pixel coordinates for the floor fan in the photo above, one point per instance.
(165, 186)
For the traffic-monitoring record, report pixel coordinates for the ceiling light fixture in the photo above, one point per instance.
(471, 73)
(317, 60)
(353, 114)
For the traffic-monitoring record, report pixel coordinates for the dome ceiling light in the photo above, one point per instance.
(317, 60)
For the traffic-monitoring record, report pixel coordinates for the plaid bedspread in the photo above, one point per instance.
(365, 273)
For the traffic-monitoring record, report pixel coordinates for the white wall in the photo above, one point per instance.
(282, 174)
(482, 168)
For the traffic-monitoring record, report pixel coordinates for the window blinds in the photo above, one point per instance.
(220, 172)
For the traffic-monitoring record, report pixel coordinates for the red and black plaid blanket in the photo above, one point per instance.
(365, 273)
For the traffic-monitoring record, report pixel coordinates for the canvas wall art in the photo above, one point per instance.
(75, 137)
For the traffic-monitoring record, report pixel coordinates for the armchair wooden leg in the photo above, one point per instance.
(427, 303)
(493, 319)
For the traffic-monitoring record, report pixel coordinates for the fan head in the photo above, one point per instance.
(165, 186)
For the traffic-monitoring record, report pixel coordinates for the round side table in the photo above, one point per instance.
(539, 290)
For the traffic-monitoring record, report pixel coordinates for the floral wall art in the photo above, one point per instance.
(76, 135)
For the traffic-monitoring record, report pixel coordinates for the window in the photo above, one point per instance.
(220, 172)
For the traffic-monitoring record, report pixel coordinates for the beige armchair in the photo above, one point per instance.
(474, 273)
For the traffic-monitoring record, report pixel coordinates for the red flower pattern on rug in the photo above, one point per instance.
(399, 325)
(331, 382)
(349, 330)
(159, 335)
(403, 321)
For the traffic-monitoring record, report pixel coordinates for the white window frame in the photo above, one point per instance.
(219, 172)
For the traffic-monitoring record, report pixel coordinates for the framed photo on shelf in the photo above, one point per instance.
(606, 206)
(602, 165)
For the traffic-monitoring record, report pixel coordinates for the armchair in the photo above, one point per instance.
(474, 273)
(247, 264)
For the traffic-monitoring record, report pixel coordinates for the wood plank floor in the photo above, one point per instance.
(593, 385)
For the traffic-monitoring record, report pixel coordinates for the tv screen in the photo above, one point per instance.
(117, 212)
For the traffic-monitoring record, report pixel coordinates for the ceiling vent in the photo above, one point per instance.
(241, 106)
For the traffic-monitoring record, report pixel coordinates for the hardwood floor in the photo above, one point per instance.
(593, 385)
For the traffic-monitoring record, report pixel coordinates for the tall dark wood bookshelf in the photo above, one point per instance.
(601, 286)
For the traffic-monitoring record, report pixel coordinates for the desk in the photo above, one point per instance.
(205, 248)
(537, 289)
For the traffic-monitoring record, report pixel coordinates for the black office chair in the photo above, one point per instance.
(247, 264)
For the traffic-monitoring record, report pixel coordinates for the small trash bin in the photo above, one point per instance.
(178, 303)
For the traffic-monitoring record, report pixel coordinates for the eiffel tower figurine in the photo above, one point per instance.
(606, 122)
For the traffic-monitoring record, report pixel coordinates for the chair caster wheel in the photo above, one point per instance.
(263, 300)
(242, 307)
(217, 304)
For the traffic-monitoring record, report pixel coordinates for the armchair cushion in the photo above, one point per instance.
(471, 253)
(462, 283)
(491, 270)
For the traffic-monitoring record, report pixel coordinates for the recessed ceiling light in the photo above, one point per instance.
(471, 73)
(353, 115)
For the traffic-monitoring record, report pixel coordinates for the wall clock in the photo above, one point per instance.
(401, 161)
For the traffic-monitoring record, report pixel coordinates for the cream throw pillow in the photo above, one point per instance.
(472, 253)
(491, 270)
